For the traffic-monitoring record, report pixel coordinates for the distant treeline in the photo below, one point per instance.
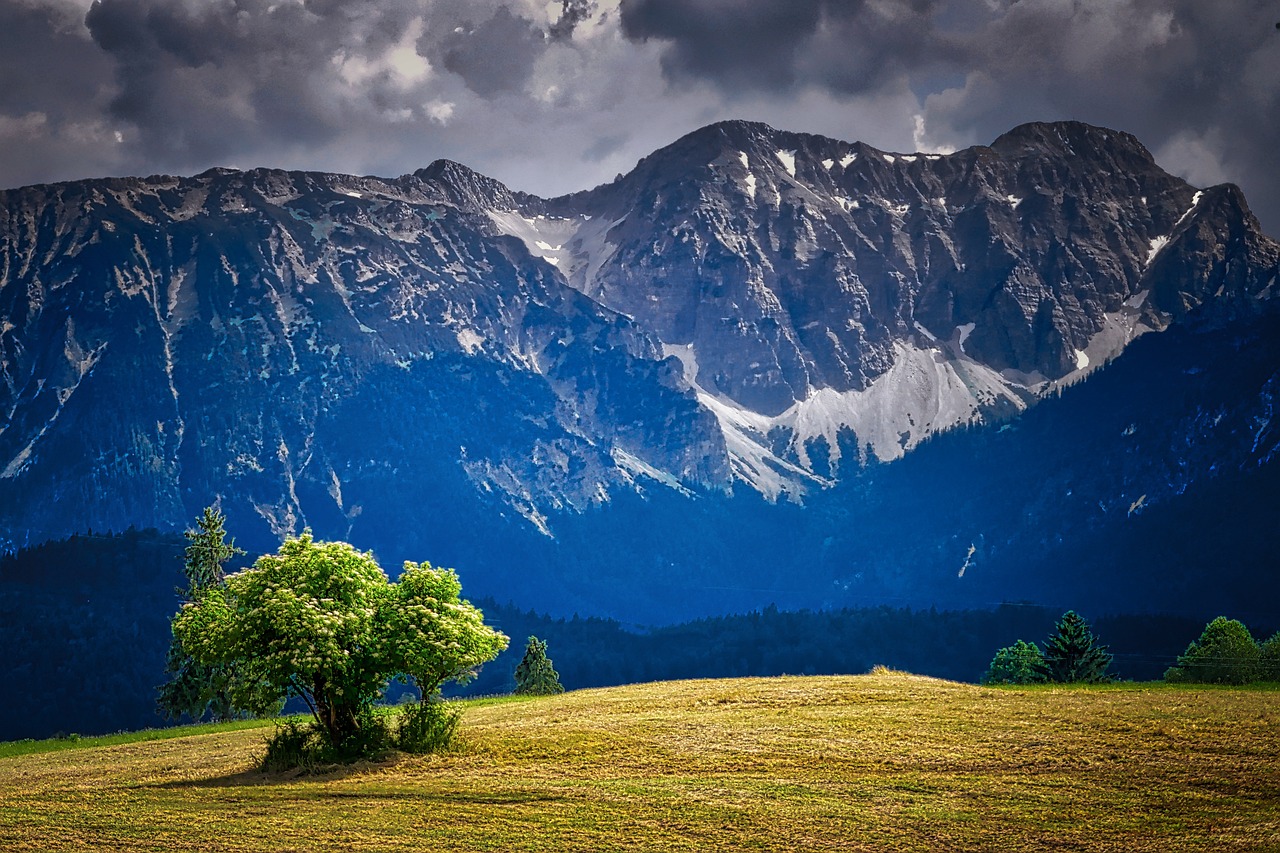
(84, 625)
(957, 645)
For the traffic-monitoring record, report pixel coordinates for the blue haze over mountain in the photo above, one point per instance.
(762, 367)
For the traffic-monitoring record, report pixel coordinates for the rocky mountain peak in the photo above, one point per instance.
(748, 308)
(1071, 138)
(463, 186)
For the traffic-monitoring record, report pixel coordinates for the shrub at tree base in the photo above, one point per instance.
(1226, 653)
(427, 727)
(321, 621)
(1021, 663)
(294, 745)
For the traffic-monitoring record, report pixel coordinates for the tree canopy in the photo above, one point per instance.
(1021, 663)
(321, 621)
(1225, 653)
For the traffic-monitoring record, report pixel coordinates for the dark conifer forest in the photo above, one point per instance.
(84, 624)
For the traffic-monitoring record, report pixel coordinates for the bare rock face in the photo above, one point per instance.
(813, 288)
(744, 310)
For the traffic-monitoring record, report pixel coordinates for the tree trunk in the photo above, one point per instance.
(338, 718)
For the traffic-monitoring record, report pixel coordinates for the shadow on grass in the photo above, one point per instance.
(259, 779)
(256, 778)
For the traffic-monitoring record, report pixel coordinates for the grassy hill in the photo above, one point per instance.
(885, 761)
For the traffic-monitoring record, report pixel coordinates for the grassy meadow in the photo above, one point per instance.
(885, 761)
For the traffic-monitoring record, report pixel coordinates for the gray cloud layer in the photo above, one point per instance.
(556, 95)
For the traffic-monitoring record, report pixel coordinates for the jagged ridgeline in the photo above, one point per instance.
(760, 367)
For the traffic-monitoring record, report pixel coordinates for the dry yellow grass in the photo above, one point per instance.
(879, 762)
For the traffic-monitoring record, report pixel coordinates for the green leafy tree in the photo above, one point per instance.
(1021, 663)
(197, 689)
(432, 635)
(1270, 658)
(535, 675)
(1225, 653)
(320, 621)
(1072, 653)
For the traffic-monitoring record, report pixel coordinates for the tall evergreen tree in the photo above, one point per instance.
(195, 689)
(1072, 653)
(535, 676)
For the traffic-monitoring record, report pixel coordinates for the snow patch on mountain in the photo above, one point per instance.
(1119, 329)
(577, 246)
(1157, 243)
(1195, 201)
(746, 437)
(470, 342)
(924, 392)
(788, 161)
(688, 360)
(634, 467)
(546, 237)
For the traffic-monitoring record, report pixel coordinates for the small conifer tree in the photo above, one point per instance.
(1225, 653)
(195, 689)
(535, 676)
(1072, 653)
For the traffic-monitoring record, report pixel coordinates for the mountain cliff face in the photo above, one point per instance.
(749, 314)
(811, 286)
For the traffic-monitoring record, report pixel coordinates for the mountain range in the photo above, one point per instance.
(761, 367)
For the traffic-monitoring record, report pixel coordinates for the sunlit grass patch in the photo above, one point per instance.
(887, 761)
(75, 741)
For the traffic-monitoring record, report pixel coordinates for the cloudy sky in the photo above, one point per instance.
(556, 96)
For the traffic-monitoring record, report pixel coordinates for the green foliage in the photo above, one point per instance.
(1225, 653)
(535, 675)
(307, 746)
(319, 620)
(197, 689)
(294, 746)
(1072, 654)
(1270, 658)
(1021, 663)
(427, 727)
(207, 552)
(432, 635)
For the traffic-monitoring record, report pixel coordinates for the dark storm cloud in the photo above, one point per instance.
(1198, 82)
(39, 53)
(851, 46)
(53, 86)
(496, 56)
(201, 81)
(753, 44)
